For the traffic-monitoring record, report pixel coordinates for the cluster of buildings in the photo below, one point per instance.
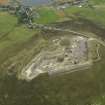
(67, 3)
(15, 7)
(3, 2)
(8, 4)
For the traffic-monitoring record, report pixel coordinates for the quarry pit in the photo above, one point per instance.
(66, 54)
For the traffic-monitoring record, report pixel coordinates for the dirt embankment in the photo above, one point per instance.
(83, 25)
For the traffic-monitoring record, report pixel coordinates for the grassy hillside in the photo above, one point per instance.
(95, 15)
(7, 22)
(18, 44)
(97, 2)
(10, 32)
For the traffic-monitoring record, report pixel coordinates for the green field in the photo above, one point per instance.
(46, 15)
(7, 22)
(95, 15)
(11, 33)
(97, 2)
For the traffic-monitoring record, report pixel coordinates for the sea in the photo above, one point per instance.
(36, 2)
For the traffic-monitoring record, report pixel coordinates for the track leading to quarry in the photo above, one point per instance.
(44, 27)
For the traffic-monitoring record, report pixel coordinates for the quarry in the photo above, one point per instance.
(67, 54)
(52, 52)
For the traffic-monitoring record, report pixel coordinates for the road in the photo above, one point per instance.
(44, 27)
(41, 26)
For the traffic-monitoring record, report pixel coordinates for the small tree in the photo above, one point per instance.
(24, 14)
